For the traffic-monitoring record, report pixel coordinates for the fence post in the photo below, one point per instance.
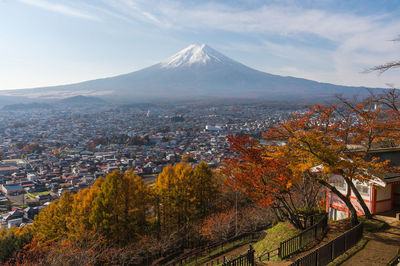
(301, 239)
(251, 255)
(315, 232)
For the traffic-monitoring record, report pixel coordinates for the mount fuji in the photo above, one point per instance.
(197, 71)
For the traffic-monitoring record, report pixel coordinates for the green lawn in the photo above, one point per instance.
(274, 236)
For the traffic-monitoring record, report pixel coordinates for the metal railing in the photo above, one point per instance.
(296, 243)
(198, 253)
(268, 255)
(245, 259)
(328, 252)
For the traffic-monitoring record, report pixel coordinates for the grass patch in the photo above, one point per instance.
(345, 256)
(373, 225)
(32, 196)
(274, 236)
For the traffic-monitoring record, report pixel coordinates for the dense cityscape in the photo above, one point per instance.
(46, 152)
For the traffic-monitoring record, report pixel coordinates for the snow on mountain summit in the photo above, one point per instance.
(194, 54)
(196, 72)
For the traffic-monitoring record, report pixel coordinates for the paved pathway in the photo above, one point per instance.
(335, 229)
(381, 247)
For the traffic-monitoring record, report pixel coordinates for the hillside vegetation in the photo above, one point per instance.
(121, 219)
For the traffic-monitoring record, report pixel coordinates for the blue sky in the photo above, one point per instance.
(50, 42)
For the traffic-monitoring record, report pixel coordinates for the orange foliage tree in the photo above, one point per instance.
(218, 227)
(267, 178)
(336, 140)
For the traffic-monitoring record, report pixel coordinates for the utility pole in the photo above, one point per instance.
(236, 213)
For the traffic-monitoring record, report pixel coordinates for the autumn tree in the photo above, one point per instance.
(174, 196)
(114, 208)
(52, 222)
(223, 225)
(335, 140)
(119, 209)
(218, 227)
(183, 197)
(12, 240)
(82, 209)
(115, 219)
(205, 189)
(260, 172)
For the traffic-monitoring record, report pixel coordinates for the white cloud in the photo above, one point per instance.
(347, 32)
(345, 42)
(59, 8)
(282, 20)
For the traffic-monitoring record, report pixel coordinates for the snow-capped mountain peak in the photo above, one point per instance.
(196, 72)
(194, 54)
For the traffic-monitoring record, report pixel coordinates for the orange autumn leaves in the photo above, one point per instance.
(255, 172)
(322, 141)
(336, 139)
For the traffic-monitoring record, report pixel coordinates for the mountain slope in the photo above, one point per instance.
(196, 71)
(80, 99)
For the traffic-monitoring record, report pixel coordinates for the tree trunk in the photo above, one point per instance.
(366, 210)
(353, 212)
(287, 216)
(290, 213)
(277, 214)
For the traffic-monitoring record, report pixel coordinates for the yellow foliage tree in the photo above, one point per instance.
(82, 207)
(183, 195)
(52, 222)
(119, 210)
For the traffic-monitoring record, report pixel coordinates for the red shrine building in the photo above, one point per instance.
(380, 195)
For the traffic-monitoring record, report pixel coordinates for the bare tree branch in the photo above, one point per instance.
(385, 67)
